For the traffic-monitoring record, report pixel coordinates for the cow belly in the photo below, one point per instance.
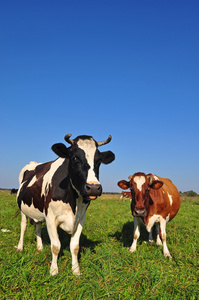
(32, 212)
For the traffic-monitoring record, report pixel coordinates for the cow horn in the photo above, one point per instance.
(150, 179)
(105, 142)
(68, 140)
(130, 177)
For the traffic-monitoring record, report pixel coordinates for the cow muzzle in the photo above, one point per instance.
(92, 190)
(139, 213)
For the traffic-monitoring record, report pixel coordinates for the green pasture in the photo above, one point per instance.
(109, 270)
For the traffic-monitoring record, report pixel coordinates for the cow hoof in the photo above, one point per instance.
(132, 250)
(53, 271)
(40, 248)
(168, 255)
(77, 273)
(159, 243)
(19, 250)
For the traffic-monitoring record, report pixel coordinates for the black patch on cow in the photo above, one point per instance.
(78, 168)
(61, 186)
(32, 195)
(86, 200)
(28, 174)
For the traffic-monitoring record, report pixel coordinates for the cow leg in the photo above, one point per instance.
(55, 245)
(163, 236)
(38, 235)
(23, 229)
(74, 247)
(136, 234)
(157, 231)
(151, 235)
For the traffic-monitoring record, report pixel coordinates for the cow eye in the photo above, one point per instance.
(76, 159)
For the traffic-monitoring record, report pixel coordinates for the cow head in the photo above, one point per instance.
(84, 162)
(140, 186)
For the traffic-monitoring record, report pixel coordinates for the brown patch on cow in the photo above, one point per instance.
(76, 250)
(164, 237)
(48, 200)
(55, 250)
(135, 236)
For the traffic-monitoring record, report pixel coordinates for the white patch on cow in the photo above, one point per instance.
(47, 178)
(29, 167)
(167, 218)
(65, 217)
(152, 220)
(32, 212)
(20, 187)
(155, 177)
(170, 199)
(33, 180)
(139, 180)
(89, 147)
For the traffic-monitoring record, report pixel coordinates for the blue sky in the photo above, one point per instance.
(125, 68)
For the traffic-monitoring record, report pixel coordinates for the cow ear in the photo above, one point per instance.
(107, 157)
(123, 184)
(60, 149)
(156, 184)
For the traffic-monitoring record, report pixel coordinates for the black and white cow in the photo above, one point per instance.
(60, 191)
(13, 191)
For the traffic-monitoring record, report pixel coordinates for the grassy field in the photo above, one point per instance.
(109, 270)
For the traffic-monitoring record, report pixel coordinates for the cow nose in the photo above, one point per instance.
(93, 189)
(139, 213)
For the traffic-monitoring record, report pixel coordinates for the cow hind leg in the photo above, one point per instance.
(151, 235)
(163, 236)
(136, 234)
(23, 229)
(38, 235)
(157, 231)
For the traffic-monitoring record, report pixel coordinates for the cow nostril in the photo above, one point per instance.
(99, 188)
(140, 212)
(88, 187)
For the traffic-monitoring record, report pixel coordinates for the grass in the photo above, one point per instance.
(109, 270)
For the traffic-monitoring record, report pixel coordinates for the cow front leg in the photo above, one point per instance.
(74, 247)
(136, 234)
(55, 245)
(38, 235)
(163, 236)
(23, 229)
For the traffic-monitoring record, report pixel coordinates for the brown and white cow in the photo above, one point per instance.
(155, 200)
(125, 195)
(59, 192)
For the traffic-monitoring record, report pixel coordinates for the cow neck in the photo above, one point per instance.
(80, 197)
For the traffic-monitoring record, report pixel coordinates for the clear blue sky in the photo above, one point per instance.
(99, 67)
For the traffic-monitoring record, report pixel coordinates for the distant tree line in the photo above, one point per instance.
(189, 193)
